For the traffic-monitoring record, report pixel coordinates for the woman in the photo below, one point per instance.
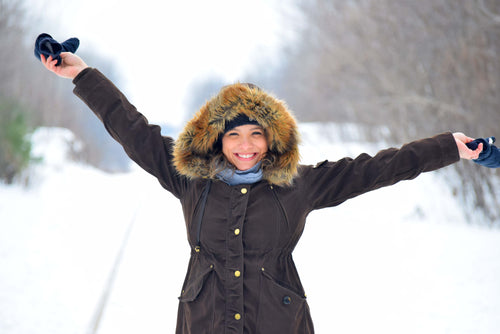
(245, 197)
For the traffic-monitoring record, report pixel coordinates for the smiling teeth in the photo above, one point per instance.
(245, 156)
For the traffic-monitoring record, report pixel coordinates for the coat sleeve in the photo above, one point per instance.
(331, 183)
(142, 141)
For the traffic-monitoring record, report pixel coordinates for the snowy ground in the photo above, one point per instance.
(398, 260)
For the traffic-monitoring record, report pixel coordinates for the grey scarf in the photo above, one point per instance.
(235, 177)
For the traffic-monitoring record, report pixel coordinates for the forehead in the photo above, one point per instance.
(247, 127)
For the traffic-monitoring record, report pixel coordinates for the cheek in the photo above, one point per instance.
(226, 149)
(263, 146)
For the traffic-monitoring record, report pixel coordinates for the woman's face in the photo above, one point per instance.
(244, 146)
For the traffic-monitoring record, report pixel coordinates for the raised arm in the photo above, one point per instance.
(331, 183)
(142, 141)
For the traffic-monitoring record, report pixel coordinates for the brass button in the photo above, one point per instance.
(237, 273)
(237, 231)
(237, 316)
(244, 190)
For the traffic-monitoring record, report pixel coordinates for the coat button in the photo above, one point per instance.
(244, 190)
(237, 316)
(237, 273)
(287, 300)
(237, 231)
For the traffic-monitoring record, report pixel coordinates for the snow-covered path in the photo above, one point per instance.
(400, 259)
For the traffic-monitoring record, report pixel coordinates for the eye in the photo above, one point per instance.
(257, 133)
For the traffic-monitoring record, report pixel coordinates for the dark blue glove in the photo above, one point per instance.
(48, 46)
(490, 155)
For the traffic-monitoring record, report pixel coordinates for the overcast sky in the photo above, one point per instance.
(160, 47)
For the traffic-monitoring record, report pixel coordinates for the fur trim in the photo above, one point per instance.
(197, 152)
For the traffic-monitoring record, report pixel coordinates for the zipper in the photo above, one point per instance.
(204, 198)
(283, 212)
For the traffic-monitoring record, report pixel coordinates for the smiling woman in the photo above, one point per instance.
(242, 230)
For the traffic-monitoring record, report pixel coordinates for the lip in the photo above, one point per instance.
(245, 156)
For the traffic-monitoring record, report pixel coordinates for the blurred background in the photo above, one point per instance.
(393, 71)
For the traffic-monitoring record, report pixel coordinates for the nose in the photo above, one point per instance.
(245, 142)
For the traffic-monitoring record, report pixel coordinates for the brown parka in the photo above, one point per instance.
(241, 277)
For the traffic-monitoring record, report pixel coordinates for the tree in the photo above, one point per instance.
(15, 146)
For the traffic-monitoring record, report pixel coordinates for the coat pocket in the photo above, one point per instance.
(280, 309)
(196, 306)
(194, 285)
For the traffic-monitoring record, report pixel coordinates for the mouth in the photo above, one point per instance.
(246, 156)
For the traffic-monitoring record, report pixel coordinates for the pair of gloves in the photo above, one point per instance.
(48, 46)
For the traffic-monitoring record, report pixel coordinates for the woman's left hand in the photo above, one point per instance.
(463, 150)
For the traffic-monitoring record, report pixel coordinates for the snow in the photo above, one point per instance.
(399, 259)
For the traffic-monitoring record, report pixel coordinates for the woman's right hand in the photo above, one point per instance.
(70, 65)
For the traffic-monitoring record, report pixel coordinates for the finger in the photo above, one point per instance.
(468, 139)
(45, 61)
(477, 151)
(63, 55)
(52, 62)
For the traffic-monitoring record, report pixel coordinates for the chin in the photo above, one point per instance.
(244, 166)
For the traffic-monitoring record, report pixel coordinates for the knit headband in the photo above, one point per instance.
(241, 119)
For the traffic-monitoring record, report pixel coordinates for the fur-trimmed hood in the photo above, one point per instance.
(197, 152)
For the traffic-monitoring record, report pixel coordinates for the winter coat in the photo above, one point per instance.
(242, 278)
